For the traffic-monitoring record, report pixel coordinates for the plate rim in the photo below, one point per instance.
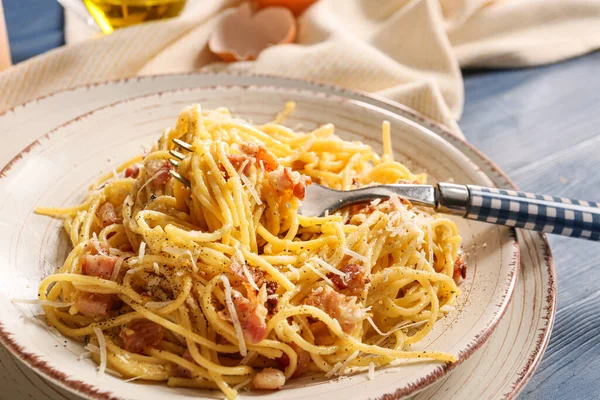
(436, 128)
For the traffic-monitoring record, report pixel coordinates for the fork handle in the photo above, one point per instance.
(567, 217)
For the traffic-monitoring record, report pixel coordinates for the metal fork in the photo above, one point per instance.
(567, 217)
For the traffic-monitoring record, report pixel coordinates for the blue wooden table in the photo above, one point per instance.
(542, 126)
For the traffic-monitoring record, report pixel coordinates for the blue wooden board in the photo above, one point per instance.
(34, 26)
(542, 126)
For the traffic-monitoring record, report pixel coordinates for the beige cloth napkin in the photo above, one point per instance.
(408, 50)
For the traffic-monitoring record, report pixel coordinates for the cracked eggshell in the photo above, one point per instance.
(242, 35)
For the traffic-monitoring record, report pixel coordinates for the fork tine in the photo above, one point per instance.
(183, 144)
(180, 178)
(176, 154)
(179, 157)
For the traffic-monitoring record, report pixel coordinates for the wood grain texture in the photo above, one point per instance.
(542, 126)
(34, 27)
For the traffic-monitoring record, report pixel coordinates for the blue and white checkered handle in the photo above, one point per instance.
(566, 217)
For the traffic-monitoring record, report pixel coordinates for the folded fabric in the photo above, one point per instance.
(408, 51)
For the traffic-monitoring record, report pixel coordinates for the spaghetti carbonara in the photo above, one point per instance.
(220, 283)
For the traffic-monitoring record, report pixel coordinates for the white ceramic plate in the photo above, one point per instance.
(56, 168)
(499, 369)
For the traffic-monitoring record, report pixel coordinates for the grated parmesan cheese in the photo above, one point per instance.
(92, 348)
(85, 354)
(375, 202)
(334, 370)
(96, 244)
(233, 314)
(103, 356)
(395, 200)
(134, 270)
(134, 378)
(249, 184)
(293, 271)
(156, 268)
(429, 243)
(115, 273)
(371, 374)
(355, 255)
(48, 303)
(153, 177)
(248, 276)
(339, 368)
(316, 271)
(242, 384)
(348, 361)
(142, 251)
(113, 373)
(249, 358)
(317, 290)
(325, 265)
(194, 266)
(400, 326)
(375, 327)
(413, 325)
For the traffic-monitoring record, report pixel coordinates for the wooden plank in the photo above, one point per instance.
(519, 115)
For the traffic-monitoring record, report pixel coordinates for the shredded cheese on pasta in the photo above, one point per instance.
(227, 269)
(103, 353)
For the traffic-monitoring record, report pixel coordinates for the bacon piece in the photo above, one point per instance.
(237, 160)
(298, 164)
(141, 334)
(271, 287)
(160, 170)
(96, 305)
(252, 313)
(269, 161)
(339, 306)
(362, 209)
(272, 301)
(183, 372)
(107, 215)
(460, 269)
(132, 171)
(98, 265)
(302, 364)
(238, 278)
(284, 179)
(354, 281)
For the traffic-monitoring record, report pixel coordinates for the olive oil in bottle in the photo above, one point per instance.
(114, 14)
